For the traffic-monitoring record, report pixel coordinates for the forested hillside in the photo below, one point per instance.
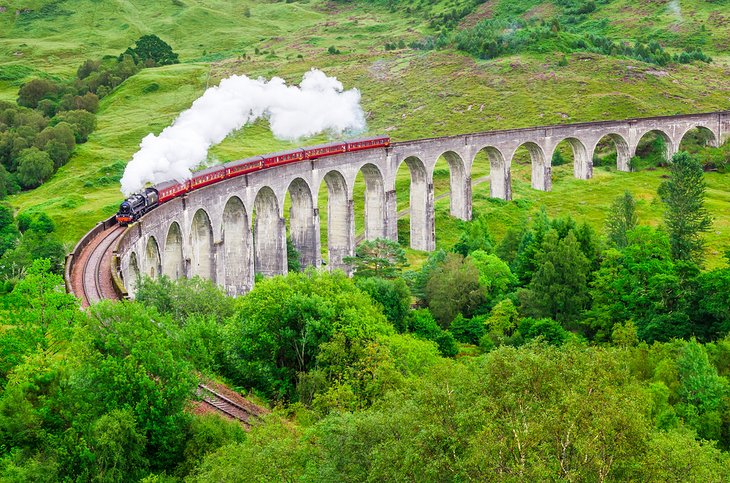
(578, 334)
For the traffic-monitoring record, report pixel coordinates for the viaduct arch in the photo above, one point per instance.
(229, 231)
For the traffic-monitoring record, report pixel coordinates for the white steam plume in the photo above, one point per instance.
(318, 104)
(675, 8)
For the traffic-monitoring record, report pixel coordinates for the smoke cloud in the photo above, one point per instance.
(675, 8)
(318, 104)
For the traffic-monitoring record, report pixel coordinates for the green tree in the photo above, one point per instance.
(283, 321)
(82, 122)
(8, 230)
(702, 392)
(151, 48)
(422, 324)
(392, 295)
(40, 317)
(475, 236)
(500, 325)
(185, 298)
(8, 184)
(621, 219)
(117, 447)
(507, 248)
(468, 331)
(34, 167)
(419, 279)
(641, 283)
(559, 288)
(685, 216)
(525, 261)
(131, 357)
(378, 258)
(711, 305)
(453, 288)
(31, 93)
(494, 275)
(293, 262)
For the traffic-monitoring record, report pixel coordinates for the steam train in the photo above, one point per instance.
(138, 204)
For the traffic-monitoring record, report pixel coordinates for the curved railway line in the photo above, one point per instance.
(91, 277)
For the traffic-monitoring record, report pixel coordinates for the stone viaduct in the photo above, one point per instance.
(229, 231)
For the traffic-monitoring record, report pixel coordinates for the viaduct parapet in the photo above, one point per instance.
(229, 231)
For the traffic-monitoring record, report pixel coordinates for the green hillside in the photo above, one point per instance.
(407, 93)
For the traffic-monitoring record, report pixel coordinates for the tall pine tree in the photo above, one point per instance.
(685, 216)
(621, 219)
(559, 288)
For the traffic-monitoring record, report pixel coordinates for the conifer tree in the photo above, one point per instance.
(559, 288)
(621, 219)
(686, 216)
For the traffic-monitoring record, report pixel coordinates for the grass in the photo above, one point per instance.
(407, 94)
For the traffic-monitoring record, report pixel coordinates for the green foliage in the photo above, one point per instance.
(701, 391)
(39, 314)
(8, 230)
(185, 298)
(559, 288)
(292, 257)
(686, 216)
(283, 321)
(547, 330)
(136, 365)
(207, 434)
(641, 283)
(475, 236)
(32, 239)
(33, 91)
(508, 247)
(463, 421)
(453, 288)
(495, 37)
(381, 258)
(468, 331)
(710, 311)
(422, 324)
(151, 50)
(494, 275)
(392, 295)
(82, 122)
(621, 219)
(34, 167)
(500, 325)
(117, 447)
(419, 279)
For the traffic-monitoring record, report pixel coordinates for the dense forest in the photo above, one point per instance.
(582, 334)
(556, 353)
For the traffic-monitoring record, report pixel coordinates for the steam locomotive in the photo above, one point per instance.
(138, 204)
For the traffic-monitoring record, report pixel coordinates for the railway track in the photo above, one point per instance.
(92, 280)
(247, 414)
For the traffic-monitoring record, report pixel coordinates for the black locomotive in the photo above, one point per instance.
(137, 205)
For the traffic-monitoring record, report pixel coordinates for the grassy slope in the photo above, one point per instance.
(408, 94)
